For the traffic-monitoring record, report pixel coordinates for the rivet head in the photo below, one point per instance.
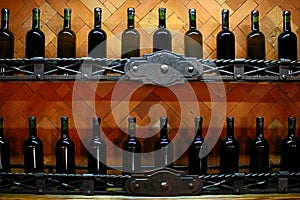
(85, 76)
(38, 76)
(164, 68)
(135, 68)
(191, 185)
(136, 186)
(238, 76)
(190, 69)
(284, 76)
(164, 185)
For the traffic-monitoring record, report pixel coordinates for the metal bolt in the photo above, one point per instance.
(135, 68)
(38, 76)
(191, 185)
(284, 76)
(88, 192)
(164, 68)
(85, 75)
(190, 69)
(164, 185)
(137, 186)
(238, 76)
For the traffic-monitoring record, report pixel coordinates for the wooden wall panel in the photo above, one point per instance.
(49, 101)
(114, 21)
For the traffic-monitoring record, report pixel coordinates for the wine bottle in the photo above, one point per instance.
(97, 43)
(193, 38)
(287, 40)
(197, 163)
(4, 150)
(35, 38)
(163, 148)
(229, 150)
(131, 150)
(66, 43)
(255, 39)
(259, 150)
(6, 37)
(225, 39)
(33, 150)
(65, 150)
(97, 151)
(290, 149)
(6, 41)
(162, 38)
(130, 38)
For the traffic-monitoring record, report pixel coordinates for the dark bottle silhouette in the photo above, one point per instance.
(225, 39)
(97, 44)
(287, 40)
(255, 39)
(130, 38)
(193, 38)
(290, 149)
(162, 38)
(33, 150)
(163, 148)
(97, 151)
(229, 150)
(259, 150)
(197, 163)
(66, 43)
(131, 157)
(65, 150)
(6, 36)
(35, 38)
(4, 150)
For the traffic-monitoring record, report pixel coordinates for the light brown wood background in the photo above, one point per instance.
(114, 21)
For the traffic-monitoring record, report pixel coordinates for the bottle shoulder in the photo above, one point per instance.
(164, 31)
(193, 32)
(33, 141)
(65, 142)
(98, 32)
(35, 33)
(6, 33)
(67, 32)
(255, 35)
(225, 34)
(287, 35)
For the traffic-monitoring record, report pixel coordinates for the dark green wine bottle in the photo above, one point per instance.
(287, 40)
(197, 161)
(33, 150)
(259, 150)
(162, 38)
(193, 38)
(4, 150)
(65, 150)
(290, 149)
(132, 150)
(229, 151)
(66, 44)
(255, 39)
(97, 39)
(163, 148)
(6, 36)
(35, 38)
(97, 151)
(130, 37)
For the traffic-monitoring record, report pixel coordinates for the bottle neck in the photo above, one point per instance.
(67, 19)
(292, 130)
(32, 127)
(96, 128)
(36, 19)
(5, 17)
(130, 19)
(198, 127)
(192, 17)
(163, 129)
(225, 20)
(255, 24)
(162, 18)
(259, 129)
(131, 130)
(286, 23)
(64, 128)
(230, 129)
(97, 20)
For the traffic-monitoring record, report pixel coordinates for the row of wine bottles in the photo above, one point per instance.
(162, 38)
(131, 158)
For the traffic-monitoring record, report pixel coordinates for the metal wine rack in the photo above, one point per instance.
(149, 69)
(160, 182)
